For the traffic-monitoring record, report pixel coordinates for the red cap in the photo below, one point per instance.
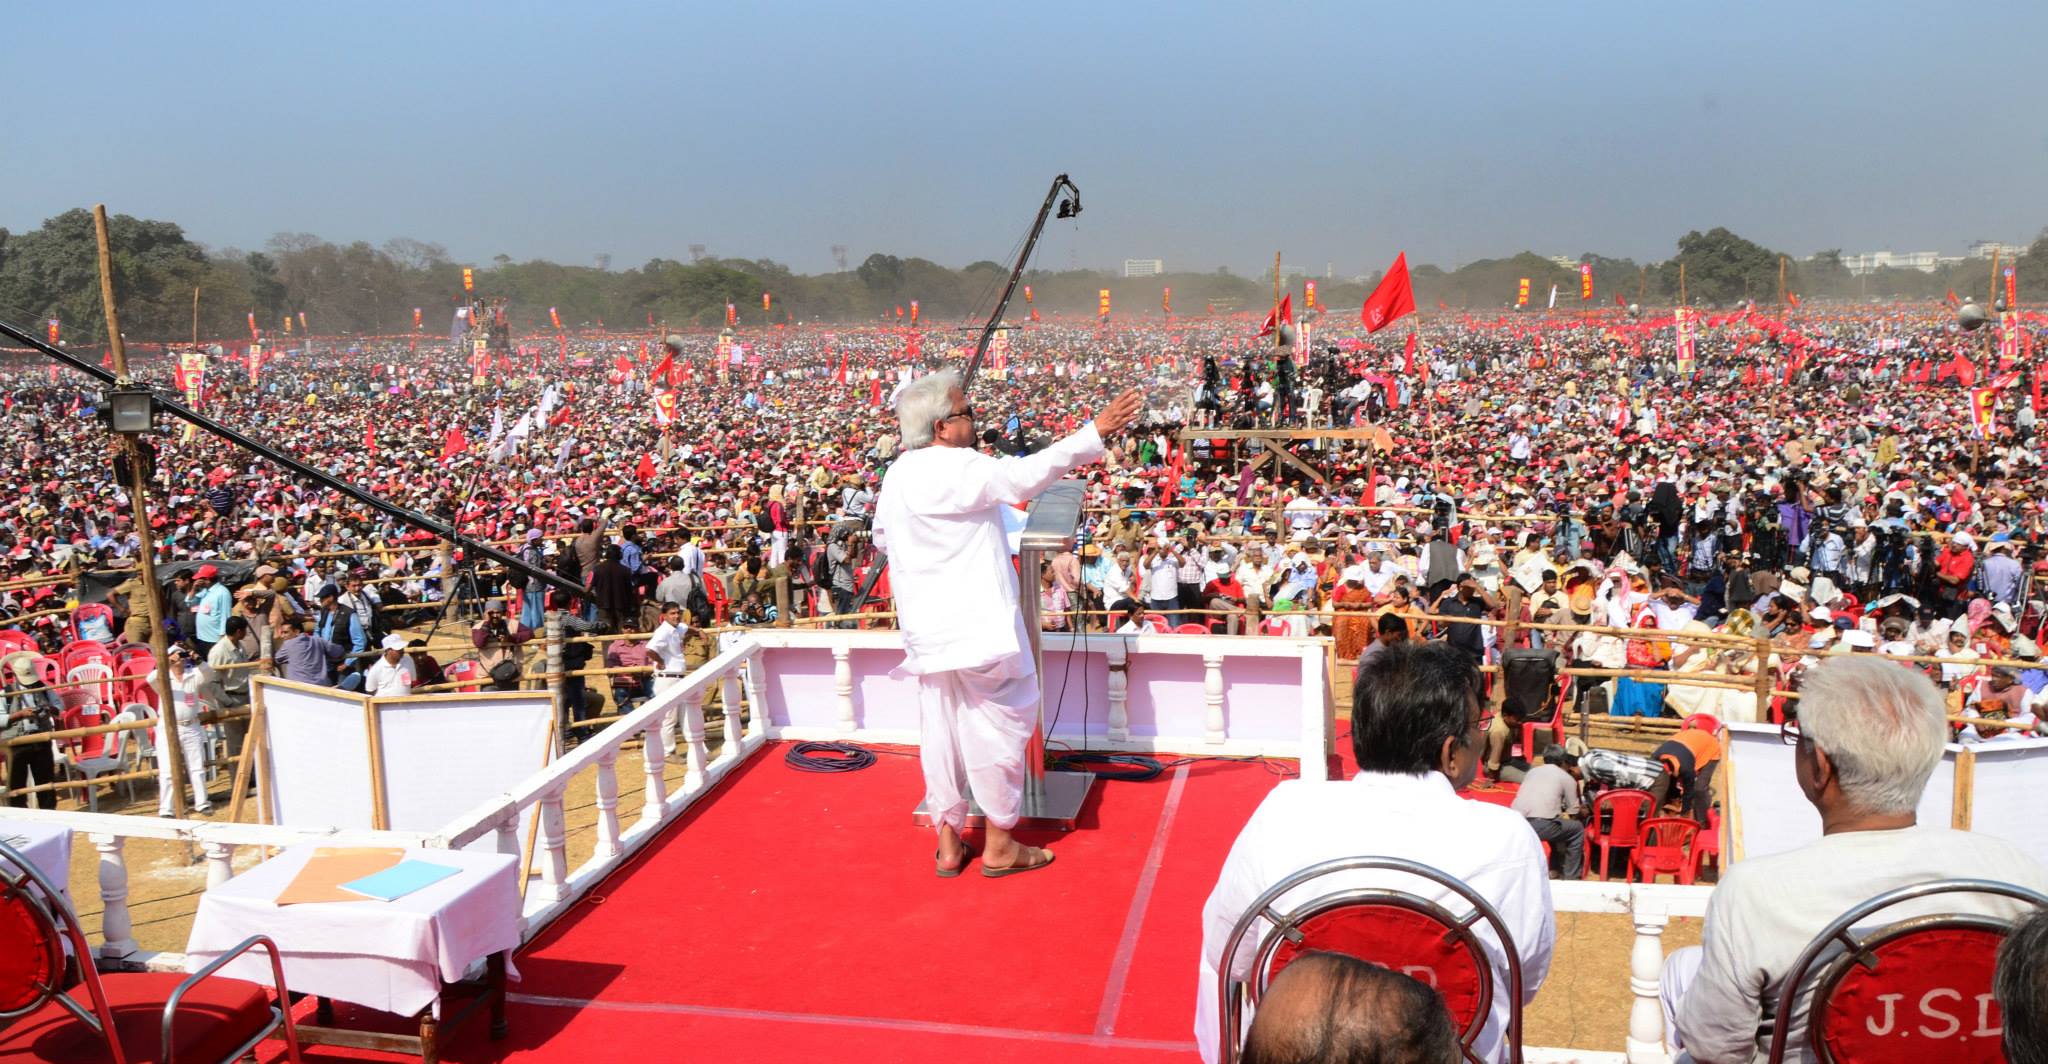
(206, 572)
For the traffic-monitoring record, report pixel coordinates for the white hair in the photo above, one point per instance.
(922, 404)
(1882, 724)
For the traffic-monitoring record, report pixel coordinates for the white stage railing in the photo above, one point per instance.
(739, 675)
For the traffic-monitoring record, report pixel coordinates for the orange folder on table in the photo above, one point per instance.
(331, 866)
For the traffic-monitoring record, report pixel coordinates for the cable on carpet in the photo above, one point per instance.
(828, 757)
(1131, 768)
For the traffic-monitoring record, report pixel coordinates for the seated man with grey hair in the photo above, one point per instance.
(1869, 734)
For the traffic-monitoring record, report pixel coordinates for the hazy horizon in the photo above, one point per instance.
(1345, 136)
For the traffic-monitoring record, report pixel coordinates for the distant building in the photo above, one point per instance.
(1924, 261)
(1565, 262)
(1144, 267)
(1984, 249)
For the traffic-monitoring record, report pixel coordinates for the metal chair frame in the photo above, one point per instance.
(1286, 928)
(1857, 950)
(48, 910)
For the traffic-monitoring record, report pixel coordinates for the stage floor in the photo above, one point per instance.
(795, 917)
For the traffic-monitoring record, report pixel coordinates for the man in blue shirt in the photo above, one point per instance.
(211, 605)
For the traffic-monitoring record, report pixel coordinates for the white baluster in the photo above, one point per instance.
(508, 834)
(1119, 691)
(694, 750)
(554, 838)
(757, 696)
(729, 694)
(220, 863)
(842, 686)
(117, 930)
(607, 805)
(1645, 972)
(1212, 697)
(656, 804)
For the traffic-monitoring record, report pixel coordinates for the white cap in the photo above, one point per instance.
(1860, 639)
(393, 641)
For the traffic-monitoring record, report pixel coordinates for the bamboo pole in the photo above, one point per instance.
(138, 502)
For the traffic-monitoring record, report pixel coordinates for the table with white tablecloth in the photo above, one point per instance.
(393, 956)
(47, 847)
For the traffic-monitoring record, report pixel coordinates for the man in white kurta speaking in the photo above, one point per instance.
(940, 520)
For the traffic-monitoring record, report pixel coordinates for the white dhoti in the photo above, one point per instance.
(976, 724)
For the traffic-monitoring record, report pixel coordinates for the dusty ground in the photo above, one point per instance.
(1584, 1004)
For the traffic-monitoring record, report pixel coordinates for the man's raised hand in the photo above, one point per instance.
(1120, 412)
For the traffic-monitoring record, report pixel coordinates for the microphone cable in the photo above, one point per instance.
(828, 757)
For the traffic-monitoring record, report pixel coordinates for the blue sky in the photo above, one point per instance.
(1203, 134)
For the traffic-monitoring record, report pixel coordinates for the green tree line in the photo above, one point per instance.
(51, 272)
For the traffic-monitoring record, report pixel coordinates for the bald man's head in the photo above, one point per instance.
(1329, 1008)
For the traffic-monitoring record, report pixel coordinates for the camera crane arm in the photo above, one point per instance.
(274, 456)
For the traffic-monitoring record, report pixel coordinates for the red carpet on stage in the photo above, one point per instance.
(795, 917)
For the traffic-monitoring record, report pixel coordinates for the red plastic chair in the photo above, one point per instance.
(1706, 846)
(1157, 622)
(1622, 829)
(125, 1017)
(14, 640)
(131, 678)
(1409, 932)
(1911, 991)
(79, 651)
(133, 652)
(1275, 626)
(1555, 725)
(81, 747)
(1192, 629)
(714, 593)
(1666, 849)
(89, 612)
(471, 674)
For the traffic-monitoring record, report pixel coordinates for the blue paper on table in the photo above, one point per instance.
(400, 880)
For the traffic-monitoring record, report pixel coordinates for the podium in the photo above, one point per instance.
(1052, 800)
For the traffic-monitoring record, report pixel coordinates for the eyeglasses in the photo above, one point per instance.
(965, 411)
(1788, 732)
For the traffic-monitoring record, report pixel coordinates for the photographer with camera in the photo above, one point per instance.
(497, 644)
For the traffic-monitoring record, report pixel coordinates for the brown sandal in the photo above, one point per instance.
(966, 856)
(1018, 869)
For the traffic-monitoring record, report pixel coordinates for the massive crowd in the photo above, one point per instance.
(1818, 479)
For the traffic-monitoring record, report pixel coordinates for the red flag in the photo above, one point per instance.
(1408, 357)
(841, 375)
(1618, 301)
(645, 471)
(453, 443)
(1394, 297)
(1951, 300)
(370, 437)
(1284, 313)
(665, 369)
(875, 392)
(1793, 297)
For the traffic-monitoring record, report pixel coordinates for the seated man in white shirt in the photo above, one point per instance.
(1417, 728)
(1870, 733)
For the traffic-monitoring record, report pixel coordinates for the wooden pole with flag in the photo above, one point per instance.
(1781, 278)
(195, 315)
(1276, 300)
(138, 502)
(1993, 300)
(1681, 284)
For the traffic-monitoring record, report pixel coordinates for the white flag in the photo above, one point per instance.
(1553, 297)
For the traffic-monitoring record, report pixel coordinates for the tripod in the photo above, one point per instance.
(464, 599)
